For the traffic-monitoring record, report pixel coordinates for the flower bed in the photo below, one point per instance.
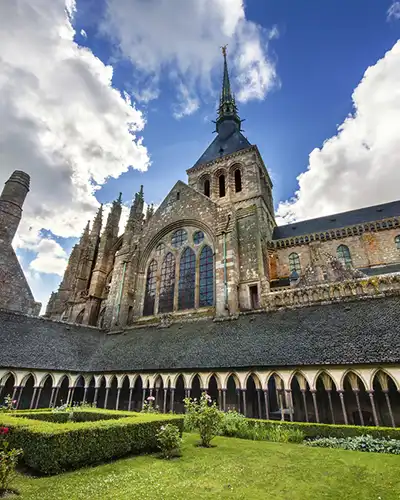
(51, 448)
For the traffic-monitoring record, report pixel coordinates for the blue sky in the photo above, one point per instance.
(294, 66)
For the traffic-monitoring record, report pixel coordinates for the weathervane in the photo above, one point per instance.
(224, 49)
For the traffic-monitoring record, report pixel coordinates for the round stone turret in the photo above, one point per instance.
(11, 201)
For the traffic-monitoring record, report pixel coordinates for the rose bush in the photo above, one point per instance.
(149, 405)
(204, 416)
(8, 461)
(169, 441)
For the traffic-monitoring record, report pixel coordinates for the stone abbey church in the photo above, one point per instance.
(297, 322)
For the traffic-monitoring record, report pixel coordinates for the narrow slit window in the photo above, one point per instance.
(238, 181)
(221, 186)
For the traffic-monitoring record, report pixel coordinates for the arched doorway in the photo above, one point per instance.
(328, 400)
(358, 406)
(179, 395)
(8, 389)
(123, 403)
(159, 393)
(101, 393)
(196, 388)
(89, 397)
(111, 402)
(386, 399)
(303, 408)
(78, 391)
(232, 394)
(62, 391)
(137, 394)
(213, 387)
(253, 397)
(276, 397)
(45, 393)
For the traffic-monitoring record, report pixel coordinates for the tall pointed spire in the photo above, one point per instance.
(136, 212)
(97, 222)
(227, 111)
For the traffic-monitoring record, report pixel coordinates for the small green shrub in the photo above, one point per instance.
(169, 441)
(61, 417)
(281, 434)
(203, 416)
(51, 448)
(359, 443)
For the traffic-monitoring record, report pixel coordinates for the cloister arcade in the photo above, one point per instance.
(341, 395)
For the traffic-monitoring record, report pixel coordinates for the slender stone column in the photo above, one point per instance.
(1, 389)
(39, 392)
(130, 398)
(329, 392)
(266, 404)
(223, 399)
(314, 397)
(342, 402)
(151, 391)
(356, 394)
(290, 404)
(187, 393)
(106, 397)
(387, 397)
(238, 399)
(70, 395)
(303, 394)
(165, 400)
(14, 392)
(56, 395)
(96, 394)
(21, 388)
(118, 396)
(374, 413)
(85, 390)
(172, 399)
(280, 398)
(259, 403)
(156, 401)
(33, 398)
(220, 399)
(143, 397)
(244, 402)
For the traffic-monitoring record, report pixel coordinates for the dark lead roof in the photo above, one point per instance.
(363, 331)
(336, 221)
(224, 146)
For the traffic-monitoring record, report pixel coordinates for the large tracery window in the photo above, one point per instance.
(167, 287)
(150, 294)
(179, 238)
(343, 254)
(206, 292)
(187, 279)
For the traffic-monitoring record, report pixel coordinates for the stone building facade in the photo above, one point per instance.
(208, 293)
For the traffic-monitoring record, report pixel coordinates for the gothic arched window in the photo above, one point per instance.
(343, 254)
(397, 241)
(179, 238)
(207, 187)
(187, 279)
(238, 180)
(206, 295)
(167, 286)
(79, 318)
(151, 285)
(221, 180)
(294, 263)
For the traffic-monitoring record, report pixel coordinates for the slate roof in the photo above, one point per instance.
(234, 142)
(336, 221)
(364, 331)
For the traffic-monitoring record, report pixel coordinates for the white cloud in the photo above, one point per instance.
(188, 103)
(393, 11)
(61, 121)
(360, 165)
(181, 39)
(83, 33)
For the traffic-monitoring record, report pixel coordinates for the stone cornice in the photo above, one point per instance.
(332, 234)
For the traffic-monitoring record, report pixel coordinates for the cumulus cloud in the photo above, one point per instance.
(359, 166)
(393, 12)
(181, 39)
(61, 121)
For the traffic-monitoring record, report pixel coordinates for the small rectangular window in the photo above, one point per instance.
(254, 297)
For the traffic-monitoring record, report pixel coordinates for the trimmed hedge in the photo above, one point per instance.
(61, 417)
(51, 448)
(314, 430)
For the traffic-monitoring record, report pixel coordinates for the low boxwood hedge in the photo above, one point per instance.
(51, 448)
(60, 417)
(314, 430)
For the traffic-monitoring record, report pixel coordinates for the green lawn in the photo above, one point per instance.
(234, 469)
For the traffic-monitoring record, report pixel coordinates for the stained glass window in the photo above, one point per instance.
(167, 286)
(187, 279)
(151, 285)
(397, 241)
(198, 237)
(343, 254)
(179, 238)
(294, 263)
(206, 297)
(160, 248)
